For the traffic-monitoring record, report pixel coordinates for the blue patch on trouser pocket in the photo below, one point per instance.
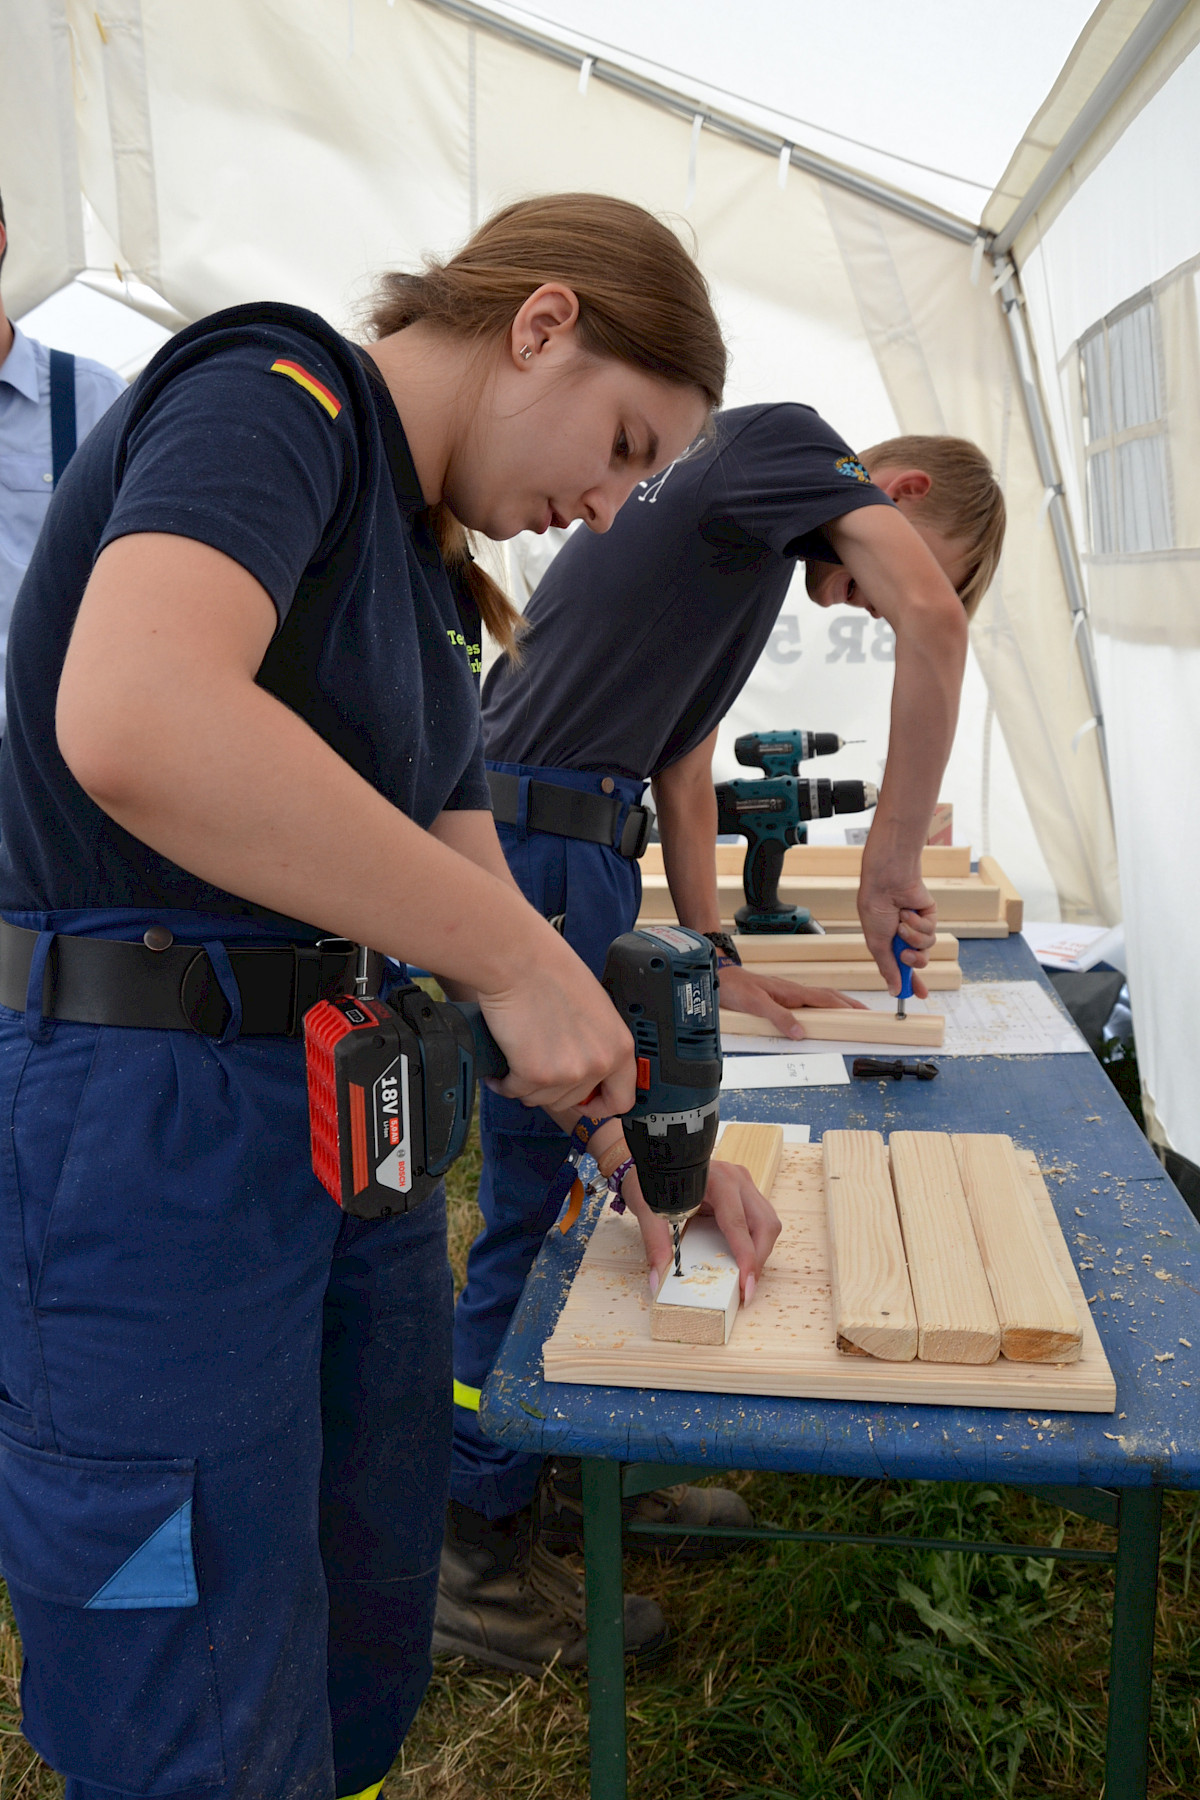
(98, 1559)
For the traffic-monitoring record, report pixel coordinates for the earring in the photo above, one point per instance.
(526, 353)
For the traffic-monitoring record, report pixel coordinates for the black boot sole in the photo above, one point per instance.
(446, 1643)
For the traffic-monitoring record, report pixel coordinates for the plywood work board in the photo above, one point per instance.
(846, 1025)
(784, 1343)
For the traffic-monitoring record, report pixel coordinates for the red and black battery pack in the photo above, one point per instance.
(391, 1090)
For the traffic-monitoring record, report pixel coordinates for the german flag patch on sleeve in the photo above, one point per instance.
(285, 365)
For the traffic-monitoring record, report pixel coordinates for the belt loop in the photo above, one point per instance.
(522, 819)
(37, 1029)
(222, 968)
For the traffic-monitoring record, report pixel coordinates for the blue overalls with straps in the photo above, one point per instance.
(598, 892)
(224, 1405)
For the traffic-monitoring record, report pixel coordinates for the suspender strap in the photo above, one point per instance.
(62, 411)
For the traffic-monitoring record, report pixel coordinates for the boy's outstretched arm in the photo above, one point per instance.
(898, 577)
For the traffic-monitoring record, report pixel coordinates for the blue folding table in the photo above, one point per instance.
(1118, 1210)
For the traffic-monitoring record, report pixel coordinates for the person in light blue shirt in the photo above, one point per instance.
(27, 460)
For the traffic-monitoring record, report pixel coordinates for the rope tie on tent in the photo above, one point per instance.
(585, 73)
(1049, 495)
(697, 128)
(977, 249)
(1088, 725)
(785, 163)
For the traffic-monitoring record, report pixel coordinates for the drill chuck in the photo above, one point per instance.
(782, 752)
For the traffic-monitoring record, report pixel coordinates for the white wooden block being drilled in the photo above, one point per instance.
(699, 1305)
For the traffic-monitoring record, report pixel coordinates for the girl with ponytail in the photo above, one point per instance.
(243, 738)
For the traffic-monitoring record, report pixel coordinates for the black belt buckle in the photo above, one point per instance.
(635, 833)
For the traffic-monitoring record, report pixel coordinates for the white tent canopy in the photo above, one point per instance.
(252, 148)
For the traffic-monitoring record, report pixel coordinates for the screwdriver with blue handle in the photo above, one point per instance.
(906, 974)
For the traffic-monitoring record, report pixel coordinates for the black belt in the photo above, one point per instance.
(165, 986)
(569, 812)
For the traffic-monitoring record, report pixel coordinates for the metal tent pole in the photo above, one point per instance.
(1047, 461)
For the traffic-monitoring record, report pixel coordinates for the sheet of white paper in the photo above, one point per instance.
(782, 1071)
(792, 1134)
(983, 1018)
(1075, 947)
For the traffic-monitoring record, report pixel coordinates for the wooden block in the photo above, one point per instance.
(1014, 906)
(859, 977)
(873, 1306)
(836, 896)
(956, 1317)
(1038, 1322)
(759, 1149)
(846, 1025)
(840, 947)
(700, 1305)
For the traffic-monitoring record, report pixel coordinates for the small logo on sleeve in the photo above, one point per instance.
(296, 372)
(851, 468)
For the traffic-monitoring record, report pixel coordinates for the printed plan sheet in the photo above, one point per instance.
(983, 1018)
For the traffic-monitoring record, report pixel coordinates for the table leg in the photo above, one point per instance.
(1132, 1659)
(605, 1627)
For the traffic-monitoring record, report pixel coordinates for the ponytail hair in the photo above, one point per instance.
(642, 300)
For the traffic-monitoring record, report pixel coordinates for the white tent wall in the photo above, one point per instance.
(255, 148)
(39, 165)
(1124, 226)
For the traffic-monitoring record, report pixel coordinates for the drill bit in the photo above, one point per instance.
(675, 1236)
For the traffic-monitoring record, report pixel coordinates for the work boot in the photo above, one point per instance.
(562, 1515)
(506, 1600)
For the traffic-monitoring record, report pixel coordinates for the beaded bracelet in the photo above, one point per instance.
(614, 1184)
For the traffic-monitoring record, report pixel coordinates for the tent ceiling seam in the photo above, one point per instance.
(725, 124)
(1137, 50)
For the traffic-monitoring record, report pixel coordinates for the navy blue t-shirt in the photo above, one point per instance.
(274, 441)
(641, 639)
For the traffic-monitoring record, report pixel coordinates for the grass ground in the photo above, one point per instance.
(820, 1674)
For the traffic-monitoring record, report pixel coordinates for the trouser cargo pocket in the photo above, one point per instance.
(118, 1687)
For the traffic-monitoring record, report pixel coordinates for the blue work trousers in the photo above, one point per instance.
(599, 892)
(224, 1415)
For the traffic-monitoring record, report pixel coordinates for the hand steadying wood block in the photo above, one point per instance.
(700, 1305)
(873, 1307)
(956, 1317)
(846, 1025)
(1038, 1322)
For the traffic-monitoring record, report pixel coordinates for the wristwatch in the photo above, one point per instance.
(724, 945)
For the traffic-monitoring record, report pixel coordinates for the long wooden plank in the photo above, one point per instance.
(956, 1316)
(825, 947)
(846, 1025)
(873, 1306)
(859, 977)
(823, 859)
(784, 1344)
(699, 1305)
(1037, 1320)
(1014, 906)
(831, 897)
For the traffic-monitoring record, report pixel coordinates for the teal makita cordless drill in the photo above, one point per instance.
(773, 813)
